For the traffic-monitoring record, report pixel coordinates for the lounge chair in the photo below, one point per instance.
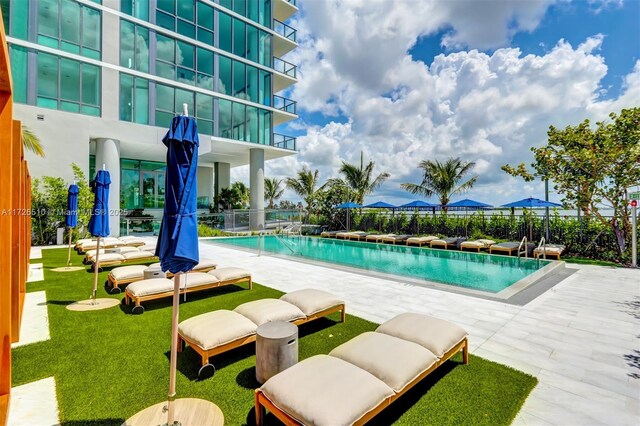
(511, 247)
(377, 238)
(159, 288)
(123, 275)
(420, 241)
(481, 244)
(360, 378)
(219, 331)
(447, 243)
(553, 250)
(358, 236)
(330, 234)
(344, 235)
(90, 255)
(395, 239)
(108, 242)
(113, 259)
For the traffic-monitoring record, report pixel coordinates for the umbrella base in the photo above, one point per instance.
(89, 305)
(188, 411)
(68, 269)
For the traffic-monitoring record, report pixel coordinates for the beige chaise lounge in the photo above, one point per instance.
(345, 235)
(377, 238)
(131, 273)
(330, 234)
(395, 239)
(420, 241)
(160, 288)
(553, 250)
(361, 377)
(90, 255)
(446, 243)
(481, 244)
(113, 259)
(107, 242)
(219, 331)
(358, 236)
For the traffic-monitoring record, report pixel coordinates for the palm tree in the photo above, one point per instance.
(360, 179)
(443, 179)
(32, 142)
(304, 185)
(272, 191)
(242, 193)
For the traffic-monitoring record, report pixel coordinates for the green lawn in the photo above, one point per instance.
(110, 364)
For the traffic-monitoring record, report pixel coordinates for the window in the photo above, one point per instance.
(134, 46)
(170, 99)
(246, 41)
(204, 113)
(205, 69)
(142, 184)
(137, 8)
(244, 81)
(177, 16)
(183, 62)
(205, 23)
(69, 26)
(67, 85)
(19, 68)
(257, 10)
(134, 99)
(243, 123)
(225, 81)
(16, 18)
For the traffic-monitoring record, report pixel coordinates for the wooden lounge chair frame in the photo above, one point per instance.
(445, 245)
(358, 237)
(263, 403)
(508, 250)
(128, 298)
(205, 354)
(396, 240)
(418, 243)
(115, 283)
(375, 238)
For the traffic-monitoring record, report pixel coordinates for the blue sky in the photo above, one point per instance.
(406, 80)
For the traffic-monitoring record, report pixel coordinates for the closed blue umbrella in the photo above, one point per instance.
(99, 221)
(380, 205)
(178, 238)
(71, 215)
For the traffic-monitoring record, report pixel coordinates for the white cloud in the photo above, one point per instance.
(489, 108)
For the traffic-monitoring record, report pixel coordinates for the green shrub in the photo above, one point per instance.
(207, 231)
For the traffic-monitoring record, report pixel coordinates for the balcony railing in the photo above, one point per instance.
(284, 67)
(284, 104)
(293, 2)
(284, 142)
(284, 30)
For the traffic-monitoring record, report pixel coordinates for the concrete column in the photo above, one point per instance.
(108, 153)
(256, 188)
(205, 182)
(221, 176)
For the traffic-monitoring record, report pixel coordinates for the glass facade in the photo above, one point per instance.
(155, 62)
(142, 184)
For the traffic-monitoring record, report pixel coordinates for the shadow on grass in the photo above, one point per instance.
(247, 378)
(95, 422)
(58, 302)
(191, 298)
(189, 361)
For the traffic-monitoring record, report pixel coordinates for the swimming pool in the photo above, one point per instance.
(483, 272)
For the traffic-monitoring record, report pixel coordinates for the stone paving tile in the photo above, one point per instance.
(573, 338)
(33, 404)
(35, 320)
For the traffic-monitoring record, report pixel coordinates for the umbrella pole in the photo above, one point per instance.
(69, 254)
(96, 267)
(174, 350)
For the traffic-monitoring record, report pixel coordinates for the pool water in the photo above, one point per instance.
(485, 272)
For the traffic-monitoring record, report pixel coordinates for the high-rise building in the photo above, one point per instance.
(100, 80)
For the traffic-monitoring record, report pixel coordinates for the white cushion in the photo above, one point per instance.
(394, 361)
(128, 272)
(134, 255)
(111, 257)
(437, 335)
(325, 391)
(230, 273)
(150, 286)
(311, 300)
(205, 264)
(266, 310)
(196, 279)
(216, 328)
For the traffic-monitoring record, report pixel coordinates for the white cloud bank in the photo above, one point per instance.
(353, 61)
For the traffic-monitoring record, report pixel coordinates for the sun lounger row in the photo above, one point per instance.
(222, 330)
(360, 378)
(123, 275)
(90, 255)
(112, 259)
(84, 244)
(159, 288)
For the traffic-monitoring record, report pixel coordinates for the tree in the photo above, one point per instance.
(304, 185)
(242, 193)
(31, 142)
(360, 179)
(272, 191)
(593, 167)
(234, 197)
(443, 179)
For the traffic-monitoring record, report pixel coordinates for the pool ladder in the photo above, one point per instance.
(523, 243)
(542, 244)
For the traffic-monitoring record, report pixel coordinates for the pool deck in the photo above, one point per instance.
(581, 338)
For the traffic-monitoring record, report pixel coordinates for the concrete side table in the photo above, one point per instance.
(154, 272)
(276, 349)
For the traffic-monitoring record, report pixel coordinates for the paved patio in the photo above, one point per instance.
(581, 339)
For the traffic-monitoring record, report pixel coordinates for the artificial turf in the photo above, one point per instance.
(110, 364)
